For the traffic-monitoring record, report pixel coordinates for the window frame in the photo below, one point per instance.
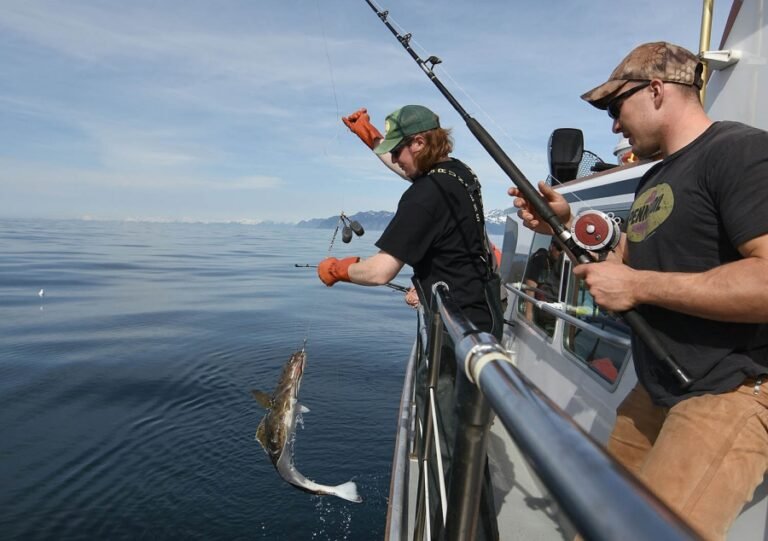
(521, 302)
(571, 283)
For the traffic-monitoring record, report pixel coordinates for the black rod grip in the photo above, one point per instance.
(644, 331)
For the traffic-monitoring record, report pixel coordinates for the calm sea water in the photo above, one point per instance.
(125, 405)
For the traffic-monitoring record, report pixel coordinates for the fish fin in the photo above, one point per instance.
(303, 408)
(347, 491)
(262, 398)
(261, 434)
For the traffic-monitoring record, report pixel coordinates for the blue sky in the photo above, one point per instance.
(229, 110)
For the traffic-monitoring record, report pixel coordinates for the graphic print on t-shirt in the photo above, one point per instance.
(649, 211)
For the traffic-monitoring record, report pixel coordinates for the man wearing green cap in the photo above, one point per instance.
(695, 265)
(359, 123)
(439, 230)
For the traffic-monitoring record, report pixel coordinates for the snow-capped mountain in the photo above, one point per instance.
(378, 220)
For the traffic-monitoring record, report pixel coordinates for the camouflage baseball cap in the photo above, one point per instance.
(657, 60)
(408, 120)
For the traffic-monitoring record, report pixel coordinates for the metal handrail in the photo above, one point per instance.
(602, 499)
(397, 522)
(576, 322)
(429, 442)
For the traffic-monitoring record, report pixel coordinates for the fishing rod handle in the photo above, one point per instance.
(637, 323)
(397, 287)
(644, 331)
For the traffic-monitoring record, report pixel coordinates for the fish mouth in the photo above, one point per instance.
(300, 360)
(301, 363)
(302, 357)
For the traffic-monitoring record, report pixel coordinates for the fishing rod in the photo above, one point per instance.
(565, 238)
(397, 287)
(390, 285)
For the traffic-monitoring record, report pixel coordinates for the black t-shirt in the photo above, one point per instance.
(690, 213)
(435, 231)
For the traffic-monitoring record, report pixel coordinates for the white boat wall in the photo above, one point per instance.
(569, 352)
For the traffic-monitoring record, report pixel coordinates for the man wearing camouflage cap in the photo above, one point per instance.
(695, 265)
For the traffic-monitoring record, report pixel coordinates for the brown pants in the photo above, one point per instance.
(703, 457)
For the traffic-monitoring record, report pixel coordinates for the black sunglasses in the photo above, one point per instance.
(614, 106)
(395, 152)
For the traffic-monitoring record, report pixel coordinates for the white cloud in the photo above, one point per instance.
(33, 178)
(249, 183)
(190, 105)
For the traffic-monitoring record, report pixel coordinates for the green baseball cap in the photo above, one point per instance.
(406, 121)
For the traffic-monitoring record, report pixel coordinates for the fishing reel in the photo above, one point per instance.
(350, 226)
(596, 231)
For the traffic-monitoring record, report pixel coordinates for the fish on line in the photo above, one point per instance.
(278, 429)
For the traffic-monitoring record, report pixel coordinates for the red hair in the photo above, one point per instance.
(437, 145)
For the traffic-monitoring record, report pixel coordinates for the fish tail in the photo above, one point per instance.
(347, 491)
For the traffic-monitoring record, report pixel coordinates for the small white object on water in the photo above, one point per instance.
(41, 293)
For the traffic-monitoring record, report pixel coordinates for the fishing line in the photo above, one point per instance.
(444, 71)
(482, 111)
(335, 137)
(333, 237)
(330, 71)
(551, 179)
(337, 369)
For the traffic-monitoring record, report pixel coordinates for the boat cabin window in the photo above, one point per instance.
(541, 280)
(601, 357)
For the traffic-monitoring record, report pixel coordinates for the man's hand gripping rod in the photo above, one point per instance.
(575, 252)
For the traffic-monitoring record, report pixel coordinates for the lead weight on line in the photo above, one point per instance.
(357, 228)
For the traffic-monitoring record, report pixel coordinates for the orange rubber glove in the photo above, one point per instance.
(496, 253)
(360, 124)
(332, 270)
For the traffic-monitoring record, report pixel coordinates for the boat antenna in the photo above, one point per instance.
(562, 234)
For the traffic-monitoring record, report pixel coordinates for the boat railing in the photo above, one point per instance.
(598, 496)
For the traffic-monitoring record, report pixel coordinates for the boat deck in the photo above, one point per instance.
(524, 510)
